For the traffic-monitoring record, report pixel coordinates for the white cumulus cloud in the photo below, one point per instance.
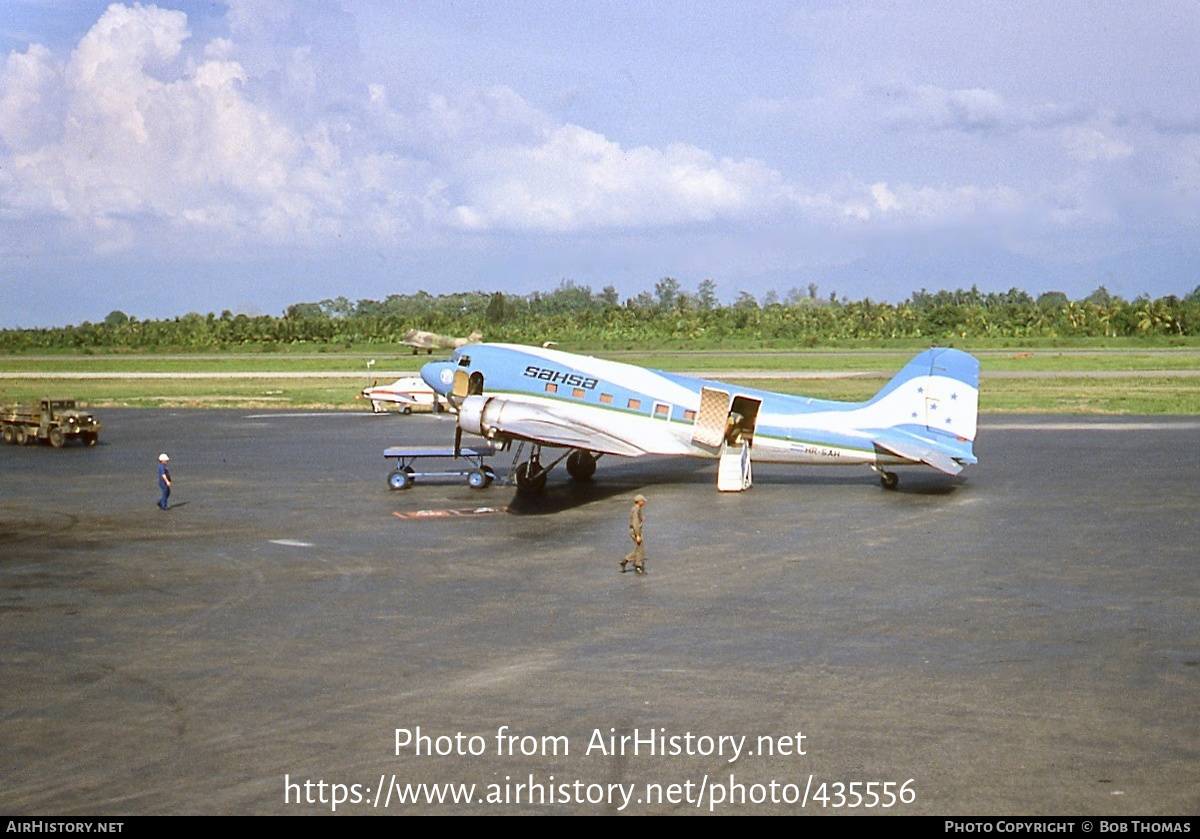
(124, 129)
(139, 130)
(578, 178)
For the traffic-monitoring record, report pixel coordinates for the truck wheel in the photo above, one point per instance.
(9, 436)
(21, 436)
(89, 439)
(57, 438)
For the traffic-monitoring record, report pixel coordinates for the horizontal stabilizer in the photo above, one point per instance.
(920, 452)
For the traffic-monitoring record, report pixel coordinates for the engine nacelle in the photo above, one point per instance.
(474, 413)
(499, 419)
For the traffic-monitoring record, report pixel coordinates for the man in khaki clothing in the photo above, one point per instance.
(638, 555)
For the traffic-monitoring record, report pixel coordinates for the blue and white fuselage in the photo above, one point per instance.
(926, 414)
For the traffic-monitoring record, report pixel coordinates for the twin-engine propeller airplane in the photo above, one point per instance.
(592, 407)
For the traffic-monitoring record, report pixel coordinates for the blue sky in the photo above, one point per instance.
(248, 154)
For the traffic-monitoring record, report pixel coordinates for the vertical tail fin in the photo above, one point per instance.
(939, 389)
(929, 410)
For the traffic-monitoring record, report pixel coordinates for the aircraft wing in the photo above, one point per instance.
(545, 424)
(918, 450)
(376, 395)
(550, 431)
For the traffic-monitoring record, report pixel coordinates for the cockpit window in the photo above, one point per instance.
(464, 361)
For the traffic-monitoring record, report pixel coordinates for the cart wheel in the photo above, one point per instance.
(478, 479)
(399, 480)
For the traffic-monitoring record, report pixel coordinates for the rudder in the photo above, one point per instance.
(938, 391)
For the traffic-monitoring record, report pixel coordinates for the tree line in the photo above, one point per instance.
(574, 314)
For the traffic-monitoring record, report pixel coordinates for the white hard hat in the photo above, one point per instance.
(163, 457)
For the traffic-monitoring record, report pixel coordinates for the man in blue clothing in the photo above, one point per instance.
(164, 480)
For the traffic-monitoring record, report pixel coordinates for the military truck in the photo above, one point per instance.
(55, 420)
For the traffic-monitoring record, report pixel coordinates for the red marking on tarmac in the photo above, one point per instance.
(460, 512)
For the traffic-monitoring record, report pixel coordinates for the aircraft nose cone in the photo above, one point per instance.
(439, 375)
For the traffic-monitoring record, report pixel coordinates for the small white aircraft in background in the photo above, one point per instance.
(410, 393)
(430, 341)
(926, 415)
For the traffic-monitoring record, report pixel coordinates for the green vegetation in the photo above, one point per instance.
(1035, 353)
(1162, 382)
(1131, 395)
(191, 393)
(670, 318)
(1120, 357)
(1116, 358)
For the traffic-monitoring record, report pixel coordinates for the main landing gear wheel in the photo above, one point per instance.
(889, 480)
(581, 465)
(530, 477)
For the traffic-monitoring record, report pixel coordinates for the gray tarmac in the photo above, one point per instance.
(1021, 640)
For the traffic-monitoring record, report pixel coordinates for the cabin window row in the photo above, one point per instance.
(660, 410)
(605, 398)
